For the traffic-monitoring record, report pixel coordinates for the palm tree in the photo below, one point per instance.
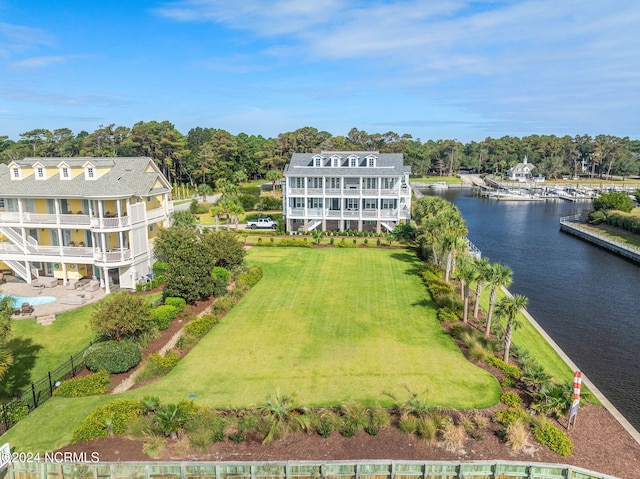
(273, 176)
(509, 307)
(204, 190)
(466, 274)
(284, 416)
(482, 267)
(498, 276)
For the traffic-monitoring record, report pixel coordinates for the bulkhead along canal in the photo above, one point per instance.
(585, 297)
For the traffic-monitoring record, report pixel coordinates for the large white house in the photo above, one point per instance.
(74, 218)
(522, 171)
(346, 190)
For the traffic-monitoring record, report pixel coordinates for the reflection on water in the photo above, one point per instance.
(586, 298)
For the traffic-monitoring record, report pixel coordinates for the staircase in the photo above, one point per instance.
(314, 224)
(46, 319)
(30, 247)
(389, 227)
(18, 268)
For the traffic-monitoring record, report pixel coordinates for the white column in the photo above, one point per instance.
(105, 272)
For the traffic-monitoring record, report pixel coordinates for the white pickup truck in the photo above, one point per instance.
(262, 223)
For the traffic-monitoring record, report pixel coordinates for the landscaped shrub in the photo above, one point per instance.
(251, 276)
(121, 316)
(378, 419)
(160, 267)
(343, 244)
(220, 277)
(457, 330)
(158, 365)
(324, 423)
(447, 315)
(508, 369)
(162, 315)
(111, 419)
(354, 418)
(506, 417)
(195, 330)
(248, 202)
(517, 435)
(13, 411)
(90, 385)
(112, 356)
(295, 243)
(222, 306)
(511, 399)
(269, 203)
(179, 303)
(554, 439)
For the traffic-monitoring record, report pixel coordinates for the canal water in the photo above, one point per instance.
(586, 298)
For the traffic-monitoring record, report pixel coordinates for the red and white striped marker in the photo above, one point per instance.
(577, 382)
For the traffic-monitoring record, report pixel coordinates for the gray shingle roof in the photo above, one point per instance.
(387, 164)
(125, 178)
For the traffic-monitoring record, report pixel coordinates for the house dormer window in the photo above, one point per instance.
(15, 173)
(89, 173)
(64, 173)
(371, 162)
(40, 173)
(317, 161)
(353, 162)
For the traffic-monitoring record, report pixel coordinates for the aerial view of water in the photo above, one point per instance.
(585, 297)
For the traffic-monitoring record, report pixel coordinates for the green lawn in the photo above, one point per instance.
(328, 324)
(39, 349)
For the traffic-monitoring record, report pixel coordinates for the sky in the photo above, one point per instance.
(433, 69)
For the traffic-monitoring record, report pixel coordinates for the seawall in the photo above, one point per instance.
(585, 380)
(572, 225)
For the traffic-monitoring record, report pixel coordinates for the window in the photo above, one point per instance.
(298, 182)
(65, 172)
(298, 202)
(318, 161)
(353, 162)
(370, 183)
(150, 228)
(333, 183)
(369, 204)
(2, 203)
(16, 172)
(39, 172)
(371, 162)
(387, 183)
(388, 204)
(315, 202)
(334, 204)
(335, 161)
(90, 172)
(352, 204)
(315, 182)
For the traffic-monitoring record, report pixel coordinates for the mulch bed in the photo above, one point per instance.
(601, 445)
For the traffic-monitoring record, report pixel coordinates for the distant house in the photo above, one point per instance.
(346, 190)
(522, 171)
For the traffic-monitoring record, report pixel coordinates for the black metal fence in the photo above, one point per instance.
(38, 392)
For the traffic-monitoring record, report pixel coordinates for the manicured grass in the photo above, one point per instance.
(433, 179)
(328, 324)
(39, 349)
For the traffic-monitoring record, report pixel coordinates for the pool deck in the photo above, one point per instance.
(80, 297)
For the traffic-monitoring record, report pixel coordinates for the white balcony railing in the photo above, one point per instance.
(157, 213)
(332, 191)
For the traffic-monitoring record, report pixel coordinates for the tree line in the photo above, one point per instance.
(206, 155)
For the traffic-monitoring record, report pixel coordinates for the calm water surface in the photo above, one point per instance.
(586, 298)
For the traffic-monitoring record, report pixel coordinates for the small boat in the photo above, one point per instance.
(439, 185)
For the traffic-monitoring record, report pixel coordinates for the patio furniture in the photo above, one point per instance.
(48, 282)
(26, 309)
(92, 285)
(73, 299)
(72, 284)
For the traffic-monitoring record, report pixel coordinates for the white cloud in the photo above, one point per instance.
(44, 61)
(16, 38)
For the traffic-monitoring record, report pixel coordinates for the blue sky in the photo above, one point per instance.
(432, 69)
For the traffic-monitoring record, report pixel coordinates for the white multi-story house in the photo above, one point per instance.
(74, 218)
(346, 190)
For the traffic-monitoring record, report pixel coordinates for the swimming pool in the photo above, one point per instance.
(32, 300)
